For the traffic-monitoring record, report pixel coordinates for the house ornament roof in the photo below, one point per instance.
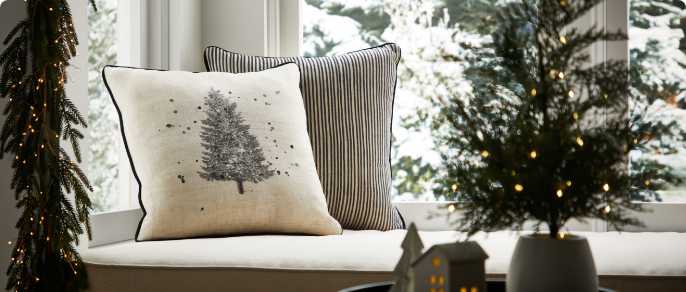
(457, 252)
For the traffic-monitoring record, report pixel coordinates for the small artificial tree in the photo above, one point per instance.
(544, 135)
(35, 68)
(404, 273)
(232, 152)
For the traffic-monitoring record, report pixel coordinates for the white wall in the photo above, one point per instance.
(185, 38)
(11, 12)
(232, 25)
(77, 92)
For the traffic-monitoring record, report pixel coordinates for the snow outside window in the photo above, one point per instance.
(103, 125)
(423, 27)
(657, 30)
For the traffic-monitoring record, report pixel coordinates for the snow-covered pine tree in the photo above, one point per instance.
(232, 152)
(404, 274)
(658, 55)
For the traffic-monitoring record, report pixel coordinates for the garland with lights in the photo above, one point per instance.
(35, 67)
(543, 135)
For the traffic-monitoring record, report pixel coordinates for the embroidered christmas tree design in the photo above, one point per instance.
(232, 152)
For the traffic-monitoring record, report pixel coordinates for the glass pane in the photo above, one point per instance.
(421, 28)
(658, 45)
(102, 117)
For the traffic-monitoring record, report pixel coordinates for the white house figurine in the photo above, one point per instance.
(453, 267)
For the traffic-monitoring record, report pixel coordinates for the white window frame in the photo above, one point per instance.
(166, 34)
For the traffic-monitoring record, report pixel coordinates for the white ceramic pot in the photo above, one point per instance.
(540, 263)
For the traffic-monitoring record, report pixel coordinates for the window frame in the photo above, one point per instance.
(151, 36)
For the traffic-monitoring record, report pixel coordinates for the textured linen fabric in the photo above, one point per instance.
(349, 105)
(219, 153)
(625, 262)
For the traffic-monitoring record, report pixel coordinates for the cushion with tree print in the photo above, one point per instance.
(349, 105)
(219, 153)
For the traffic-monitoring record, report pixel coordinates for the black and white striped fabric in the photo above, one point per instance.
(349, 105)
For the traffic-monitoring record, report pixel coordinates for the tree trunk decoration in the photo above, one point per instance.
(232, 152)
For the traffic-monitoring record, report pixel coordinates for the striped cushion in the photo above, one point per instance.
(349, 106)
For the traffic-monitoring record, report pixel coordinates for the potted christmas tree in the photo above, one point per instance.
(545, 136)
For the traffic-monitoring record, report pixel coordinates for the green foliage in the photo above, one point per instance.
(415, 175)
(538, 95)
(34, 71)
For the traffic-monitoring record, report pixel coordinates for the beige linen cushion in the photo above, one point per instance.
(219, 153)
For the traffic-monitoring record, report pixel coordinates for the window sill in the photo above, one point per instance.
(121, 225)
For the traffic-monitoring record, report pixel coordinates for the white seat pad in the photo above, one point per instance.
(630, 254)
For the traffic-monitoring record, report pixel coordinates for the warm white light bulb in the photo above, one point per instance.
(533, 154)
(606, 187)
(451, 208)
(579, 141)
(607, 209)
(559, 193)
(519, 187)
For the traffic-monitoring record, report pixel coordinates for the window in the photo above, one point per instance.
(658, 44)
(422, 28)
(103, 129)
(150, 32)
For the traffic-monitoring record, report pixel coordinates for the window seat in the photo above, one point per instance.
(625, 262)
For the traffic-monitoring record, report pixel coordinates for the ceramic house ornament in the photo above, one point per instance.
(453, 267)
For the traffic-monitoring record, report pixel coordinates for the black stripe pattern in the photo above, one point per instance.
(349, 105)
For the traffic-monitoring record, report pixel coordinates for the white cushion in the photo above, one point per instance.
(628, 261)
(219, 153)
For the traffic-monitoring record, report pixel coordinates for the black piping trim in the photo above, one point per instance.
(390, 146)
(128, 152)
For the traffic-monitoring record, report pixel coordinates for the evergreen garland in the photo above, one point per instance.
(543, 135)
(35, 68)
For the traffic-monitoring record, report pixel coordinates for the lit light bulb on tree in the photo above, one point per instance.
(559, 193)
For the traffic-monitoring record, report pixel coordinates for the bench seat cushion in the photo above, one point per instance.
(625, 262)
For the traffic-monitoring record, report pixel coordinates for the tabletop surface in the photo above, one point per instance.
(491, 286)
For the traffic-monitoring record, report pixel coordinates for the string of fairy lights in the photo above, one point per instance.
(39, 75)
